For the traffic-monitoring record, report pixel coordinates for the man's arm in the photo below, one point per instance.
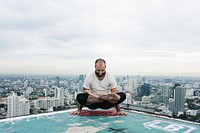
(85, 90)
(114, 91)
(118, 110)
(92, 98)
(112, 98)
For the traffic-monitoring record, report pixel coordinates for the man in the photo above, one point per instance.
(100, 90)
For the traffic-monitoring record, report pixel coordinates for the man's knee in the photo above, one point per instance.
(122, 96)
(82, 98)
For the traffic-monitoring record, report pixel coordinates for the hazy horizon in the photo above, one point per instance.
(116, 75)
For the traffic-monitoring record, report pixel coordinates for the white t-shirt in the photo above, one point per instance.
(100, 87)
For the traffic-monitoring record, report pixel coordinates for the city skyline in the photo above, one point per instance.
(134, 37)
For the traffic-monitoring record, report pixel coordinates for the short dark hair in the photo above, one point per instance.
(100, 60)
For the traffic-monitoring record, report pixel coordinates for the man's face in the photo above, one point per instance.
(100, 69)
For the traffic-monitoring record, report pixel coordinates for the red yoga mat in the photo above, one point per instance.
(98, 113)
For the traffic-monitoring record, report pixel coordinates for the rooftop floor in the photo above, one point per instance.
(63, 122)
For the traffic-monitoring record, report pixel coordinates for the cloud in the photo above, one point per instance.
(146, 36)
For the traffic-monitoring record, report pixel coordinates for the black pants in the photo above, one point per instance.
(82, 99)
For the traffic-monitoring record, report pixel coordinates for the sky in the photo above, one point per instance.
(133, 36)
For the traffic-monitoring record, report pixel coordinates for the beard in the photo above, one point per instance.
(100, 76)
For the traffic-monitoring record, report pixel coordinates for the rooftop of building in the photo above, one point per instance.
(63, 122)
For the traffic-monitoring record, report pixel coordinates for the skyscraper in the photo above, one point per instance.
(179, 96)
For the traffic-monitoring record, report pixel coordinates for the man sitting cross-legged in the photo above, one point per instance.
(100, 90)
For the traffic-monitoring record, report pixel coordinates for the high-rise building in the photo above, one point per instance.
(81, 77)
(58, 81)
(165, 93)
(17, 106)
(144, 90)
(179, 96)
(59, 93)
(46, 103)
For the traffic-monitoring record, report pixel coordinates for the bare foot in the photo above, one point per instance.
(121, 113)
(75, 112)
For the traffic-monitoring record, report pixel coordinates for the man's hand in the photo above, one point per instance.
(121, 113)
(75, 112)
(87, 91)
(114, 90)
(118, 112)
